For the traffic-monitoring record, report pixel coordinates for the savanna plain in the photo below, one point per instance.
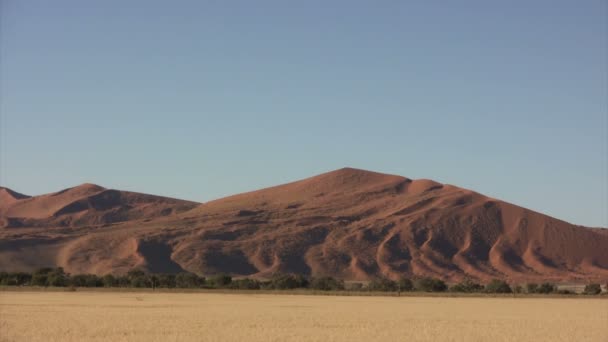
(148, 316)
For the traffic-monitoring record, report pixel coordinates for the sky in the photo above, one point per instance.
(204, 99)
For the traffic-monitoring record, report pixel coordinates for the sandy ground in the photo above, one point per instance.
(133, 316)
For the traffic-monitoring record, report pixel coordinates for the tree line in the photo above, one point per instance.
(57, 277)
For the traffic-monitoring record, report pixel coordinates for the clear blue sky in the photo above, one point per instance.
(202, 99)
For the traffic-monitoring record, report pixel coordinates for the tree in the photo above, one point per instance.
(245, 284)
(430, 285)
(137, 278)
(531, 288)
(467, 286)
(86, 280)
(16, 279)
(40, 276)
(593, 289)
(123, 281)
(166, 280)
(326, 284)
(188, 280)
(546, 288)
(281, 281)
(382, 284)
(109, 281)
(57, 277)
(406, 284)
(78, 280)
(498, 286)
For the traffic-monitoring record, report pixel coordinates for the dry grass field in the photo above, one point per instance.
(134, 316)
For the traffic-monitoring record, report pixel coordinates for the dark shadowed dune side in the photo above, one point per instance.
(349, 223)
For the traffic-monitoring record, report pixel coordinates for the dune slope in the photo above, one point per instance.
(349, 223)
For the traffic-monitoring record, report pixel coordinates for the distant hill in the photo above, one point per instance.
(349, 223)
(84, 205)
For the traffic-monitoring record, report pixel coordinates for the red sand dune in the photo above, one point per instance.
(348, 223)
(86, 204)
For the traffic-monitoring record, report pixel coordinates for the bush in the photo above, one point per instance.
(109, 281)
(169, 281)
(467, 286)
(531, 288)
(354, 286)
(326, 284)
(123, 281)
(382, 284)
(137, 278)
(189, 280)
(219, 281)
(16, 279)
(564, 292)
(546, 288)
(85, 280)
(287, 281)
(430, 285)
(518, 289)
(593, 289)
(40, 276)
(245, 284)
(406, 284)
(498, 286)
(57, 278)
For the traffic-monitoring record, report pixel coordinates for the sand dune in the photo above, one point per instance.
(8, 197)
(86, 205)
(349, 223)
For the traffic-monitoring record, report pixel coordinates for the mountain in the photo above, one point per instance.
(349, 223)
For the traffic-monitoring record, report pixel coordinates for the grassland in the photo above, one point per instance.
(147, 316)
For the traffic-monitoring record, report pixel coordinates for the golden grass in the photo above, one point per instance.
(145, 316)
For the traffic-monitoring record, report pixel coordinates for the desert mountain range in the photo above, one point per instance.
(349, 223)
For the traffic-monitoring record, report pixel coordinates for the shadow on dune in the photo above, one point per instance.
(158, 257)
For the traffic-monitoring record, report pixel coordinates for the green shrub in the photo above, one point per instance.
(191, 280)
(123, 281)
(326, 284)
(430, 285)
(16, 279)
(531, 288)
(382, 284)
(109, 281)
(85, 280)
(245, 284)
(138, 278)
(40, 276)
(57, 280)
(593, 289)
(546, 288)
(282, 281)
(405, 284)
(467, 286)
(564, 292)
(354, 286)
(218, 281)
(498, 286)
(169, 281)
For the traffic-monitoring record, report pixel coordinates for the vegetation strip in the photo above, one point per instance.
(56, 277)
